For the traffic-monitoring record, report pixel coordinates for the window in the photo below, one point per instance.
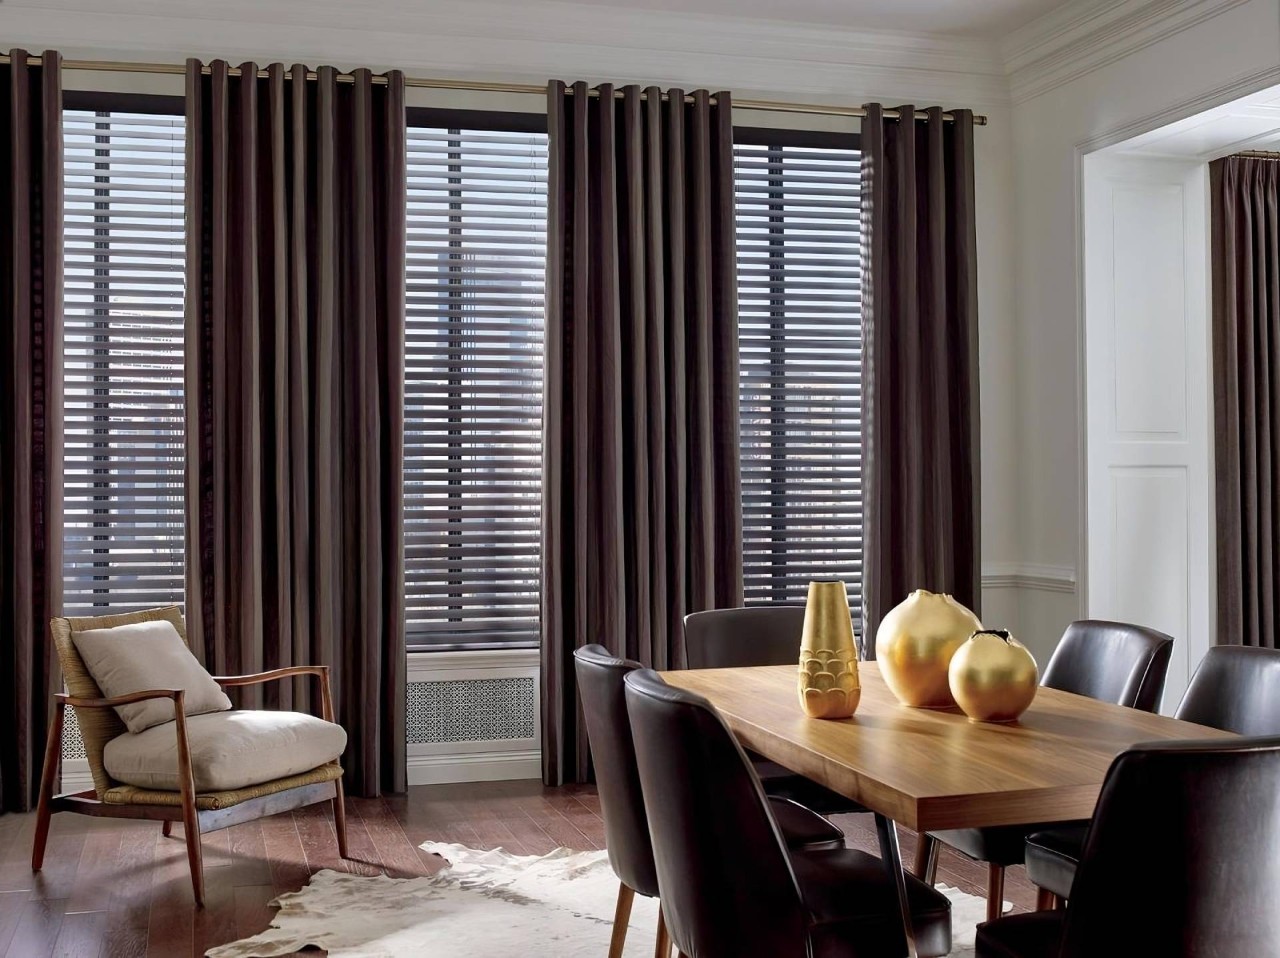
(477, 215)
(799, 282)
(123, 539)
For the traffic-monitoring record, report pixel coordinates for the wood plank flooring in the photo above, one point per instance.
(121, 890)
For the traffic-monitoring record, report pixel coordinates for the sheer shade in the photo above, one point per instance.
(123, 538)
(800, 332)
(477, 231)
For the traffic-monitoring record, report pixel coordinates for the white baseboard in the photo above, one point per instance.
(474, 767)
(1043, 578)
(76, 776)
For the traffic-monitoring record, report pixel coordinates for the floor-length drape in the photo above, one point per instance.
(641, 497)
(920, 361)
(30, 413)
(295, 384)
(1244, 201)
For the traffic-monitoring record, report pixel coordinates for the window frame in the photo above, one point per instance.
(104, 101)
(498, 121)
(780, 138)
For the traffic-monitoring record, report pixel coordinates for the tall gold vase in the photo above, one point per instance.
(829, 686)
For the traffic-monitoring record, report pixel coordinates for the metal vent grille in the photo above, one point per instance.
(72, 743)
(471, 710)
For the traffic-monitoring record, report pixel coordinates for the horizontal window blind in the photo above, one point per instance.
(477, 212)
(123, 547)
(799, 294)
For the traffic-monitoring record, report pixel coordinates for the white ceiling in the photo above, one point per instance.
(976, 18)
(1250, 123)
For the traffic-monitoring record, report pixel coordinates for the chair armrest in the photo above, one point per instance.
(186, 781)
(321, 672)
(259, 678)
(64, 699)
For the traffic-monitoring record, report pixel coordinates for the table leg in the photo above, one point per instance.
(892, 858)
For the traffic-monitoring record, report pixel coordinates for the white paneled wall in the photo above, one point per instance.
(1147, 350)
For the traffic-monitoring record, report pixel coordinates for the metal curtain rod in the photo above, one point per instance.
(120, 66)
(1259, 154)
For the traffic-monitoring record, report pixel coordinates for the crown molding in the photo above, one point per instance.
(1081, 37)
(528, 42)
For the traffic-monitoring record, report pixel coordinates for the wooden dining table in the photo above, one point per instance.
(932, 769)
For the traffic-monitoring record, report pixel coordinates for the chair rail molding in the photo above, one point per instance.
(529, 42)
(1078, 38)
(1034, 576)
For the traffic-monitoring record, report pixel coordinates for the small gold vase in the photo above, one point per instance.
(829, 687)
(993, 677)
(914, 645)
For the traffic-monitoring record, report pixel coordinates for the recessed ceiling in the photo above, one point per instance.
(975, 18)
(1250, 123)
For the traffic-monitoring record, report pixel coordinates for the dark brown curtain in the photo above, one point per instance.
(295, 384)
(640, 450)
(1244, 196)
(30, 413)
(920, 361)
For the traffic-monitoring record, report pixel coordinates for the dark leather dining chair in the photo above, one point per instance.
(760, 635)
(1236, 688)
(1180, 860)
(600, 689)
(730, 886)
(1109, 661)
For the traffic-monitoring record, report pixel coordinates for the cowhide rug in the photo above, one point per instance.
(484, 905)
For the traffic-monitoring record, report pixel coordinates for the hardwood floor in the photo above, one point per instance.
(121, 890)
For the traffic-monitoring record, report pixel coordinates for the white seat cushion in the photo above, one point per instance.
(229, 750)
(143, 656)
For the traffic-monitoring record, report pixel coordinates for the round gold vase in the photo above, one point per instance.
(993, 677)
(914, 645)
(828, 678)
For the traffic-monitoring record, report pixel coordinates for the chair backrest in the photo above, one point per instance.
(604, 706)
(1236, 688)
(98, 726)
(733, 638)
(1181, 855)
(726, 881)
(1112, 662)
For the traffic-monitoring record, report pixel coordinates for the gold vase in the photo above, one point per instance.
(915, 643)
(829, 687)
(993, 677)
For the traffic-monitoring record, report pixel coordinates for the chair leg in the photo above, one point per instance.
(166, 829)
(340, 818)
(621, 918)
(995, 891)
(44, 809)
(195, 858)
(926, 865)
(663, 947)
(1047, 900)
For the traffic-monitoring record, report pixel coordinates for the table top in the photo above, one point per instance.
(929, 769)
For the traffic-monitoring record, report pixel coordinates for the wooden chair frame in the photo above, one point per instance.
(195, 820)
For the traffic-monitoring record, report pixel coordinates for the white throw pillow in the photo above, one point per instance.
(144, 656)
